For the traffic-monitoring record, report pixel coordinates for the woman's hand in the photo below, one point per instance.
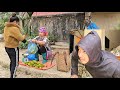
(33, 40)
(40, 42)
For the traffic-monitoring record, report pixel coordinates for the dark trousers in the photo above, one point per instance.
(41, 49)
(13, 54)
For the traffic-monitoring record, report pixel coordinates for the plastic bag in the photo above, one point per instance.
(32, 57)
(32, 48)
(49, 54)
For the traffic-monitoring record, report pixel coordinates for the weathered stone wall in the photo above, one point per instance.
(56, 24)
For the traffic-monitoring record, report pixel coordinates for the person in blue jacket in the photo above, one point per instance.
(89, 24)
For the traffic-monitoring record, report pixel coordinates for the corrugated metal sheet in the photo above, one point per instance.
(35, 14)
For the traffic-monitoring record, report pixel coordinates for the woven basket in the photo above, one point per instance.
(63, 61)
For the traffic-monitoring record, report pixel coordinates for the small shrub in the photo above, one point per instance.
(52, 38)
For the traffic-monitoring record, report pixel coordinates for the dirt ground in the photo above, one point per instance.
(4, 70)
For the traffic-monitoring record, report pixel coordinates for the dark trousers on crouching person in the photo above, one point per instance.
(42, 51)
(13, 54)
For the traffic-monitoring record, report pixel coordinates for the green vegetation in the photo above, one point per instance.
(52, 38)
(4, 17)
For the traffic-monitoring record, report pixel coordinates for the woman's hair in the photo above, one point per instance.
(14, 18)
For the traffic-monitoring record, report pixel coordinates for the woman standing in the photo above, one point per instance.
(12, 37)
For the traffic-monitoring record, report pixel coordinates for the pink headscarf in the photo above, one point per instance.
(43, 30)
